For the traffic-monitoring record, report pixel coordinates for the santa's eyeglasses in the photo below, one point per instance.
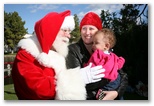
(66, 30)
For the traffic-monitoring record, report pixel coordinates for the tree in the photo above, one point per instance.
(75, 34)
(13, 29)
(131, 29)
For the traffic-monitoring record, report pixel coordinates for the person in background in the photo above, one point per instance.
(80, 52)
(103, 41)
(39, 70)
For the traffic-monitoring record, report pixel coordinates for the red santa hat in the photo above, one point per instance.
(48, 27)
(46, 30)
(91, 18)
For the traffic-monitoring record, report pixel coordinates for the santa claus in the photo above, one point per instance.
(39, 70)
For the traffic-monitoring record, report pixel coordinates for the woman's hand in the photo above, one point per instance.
(110, 95)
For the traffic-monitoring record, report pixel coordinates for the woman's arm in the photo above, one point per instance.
(73, 58)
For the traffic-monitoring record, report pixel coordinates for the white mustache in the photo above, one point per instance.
(65, 39)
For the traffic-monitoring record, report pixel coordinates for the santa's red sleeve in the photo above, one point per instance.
(31, 80)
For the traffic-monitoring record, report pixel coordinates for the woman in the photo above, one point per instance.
(80, 52)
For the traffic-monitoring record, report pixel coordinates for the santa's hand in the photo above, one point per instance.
(92, 74)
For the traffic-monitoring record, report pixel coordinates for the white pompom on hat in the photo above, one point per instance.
(68, 23)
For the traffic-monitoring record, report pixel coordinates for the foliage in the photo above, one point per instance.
(13, 29)
(75, 34)
(131, 31)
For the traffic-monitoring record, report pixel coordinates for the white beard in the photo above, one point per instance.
(60, 46)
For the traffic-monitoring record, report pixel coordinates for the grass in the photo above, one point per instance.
(9, 93)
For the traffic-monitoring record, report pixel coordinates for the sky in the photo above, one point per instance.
(30, 13)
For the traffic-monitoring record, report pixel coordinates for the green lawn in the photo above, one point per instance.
(9, 93)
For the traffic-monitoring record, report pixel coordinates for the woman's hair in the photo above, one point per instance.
(108, 35)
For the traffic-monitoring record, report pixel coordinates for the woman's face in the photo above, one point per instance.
(87, 32)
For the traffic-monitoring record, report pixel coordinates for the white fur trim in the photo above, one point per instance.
(70, 85)
(68, 23)
(31, 45)
(51, 60)
(43, 59)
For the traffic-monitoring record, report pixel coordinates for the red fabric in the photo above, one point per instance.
(91, 19)
(31, 80)
(111, 62)
(47, 28)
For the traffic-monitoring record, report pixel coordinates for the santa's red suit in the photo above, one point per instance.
(40, 73)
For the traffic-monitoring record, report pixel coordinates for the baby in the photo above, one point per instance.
(103, 41)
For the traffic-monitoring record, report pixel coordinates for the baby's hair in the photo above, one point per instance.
(108, 35)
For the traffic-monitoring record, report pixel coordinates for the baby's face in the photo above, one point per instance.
(99, 43)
